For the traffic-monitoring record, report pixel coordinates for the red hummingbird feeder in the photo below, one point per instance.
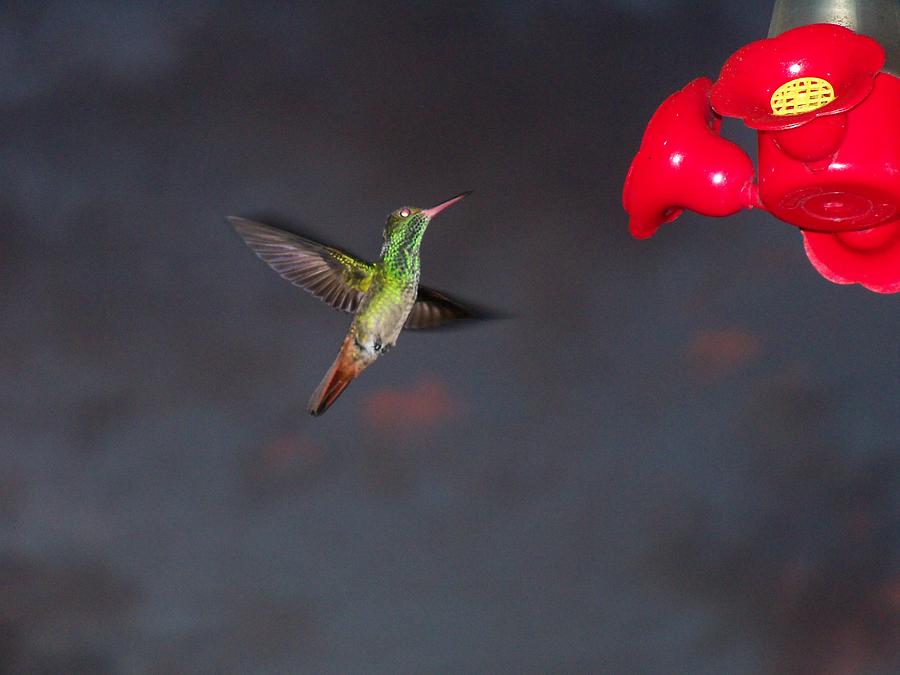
(827, 116)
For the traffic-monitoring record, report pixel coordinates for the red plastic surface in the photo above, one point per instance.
(683, 163)
(833, 171)
(857, 187)
(867, 257)
(749, 77)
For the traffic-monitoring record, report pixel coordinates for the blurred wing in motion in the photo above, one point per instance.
(433, 309)
(334, 276)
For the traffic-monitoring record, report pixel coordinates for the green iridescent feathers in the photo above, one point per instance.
(336, 277)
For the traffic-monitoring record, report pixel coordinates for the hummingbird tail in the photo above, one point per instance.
(346, 367)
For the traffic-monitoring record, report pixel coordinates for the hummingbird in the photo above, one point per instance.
(384, 296)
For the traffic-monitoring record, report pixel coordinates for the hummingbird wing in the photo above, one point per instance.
(434, 309)
(332, 275)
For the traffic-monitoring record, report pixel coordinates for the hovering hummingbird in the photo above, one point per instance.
(384, 296)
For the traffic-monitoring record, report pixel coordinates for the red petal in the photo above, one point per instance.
(849, 62)
(867, 257)
(683, 162)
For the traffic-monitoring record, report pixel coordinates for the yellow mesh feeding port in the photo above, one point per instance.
(801, 95)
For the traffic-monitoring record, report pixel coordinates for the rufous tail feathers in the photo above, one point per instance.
(346, 367)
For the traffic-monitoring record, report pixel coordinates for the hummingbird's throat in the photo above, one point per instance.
(400, 252)
(402, 262)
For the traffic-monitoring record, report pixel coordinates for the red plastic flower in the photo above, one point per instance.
(867, 257)
(804, 73)
(683, 162)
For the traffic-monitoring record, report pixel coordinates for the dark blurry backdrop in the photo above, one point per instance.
(681, 455)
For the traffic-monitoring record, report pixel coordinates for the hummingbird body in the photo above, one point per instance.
(385, 296)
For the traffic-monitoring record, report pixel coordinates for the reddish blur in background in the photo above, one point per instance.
(681, 455)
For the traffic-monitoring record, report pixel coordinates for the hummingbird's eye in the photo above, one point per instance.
(404, 213)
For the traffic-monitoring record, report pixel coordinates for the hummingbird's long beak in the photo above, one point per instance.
(434, 210)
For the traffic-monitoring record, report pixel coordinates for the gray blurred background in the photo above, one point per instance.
(680, 456)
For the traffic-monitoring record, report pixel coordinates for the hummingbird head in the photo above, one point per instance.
(407, 224)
